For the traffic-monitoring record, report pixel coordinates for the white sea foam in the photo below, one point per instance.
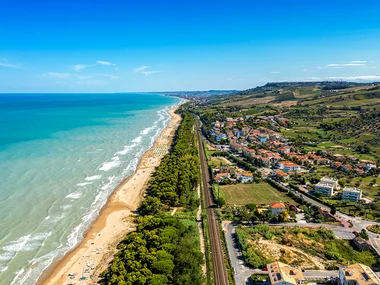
(84, 184)
(147, 130)
(66, 207)
(22, 244)
(6, 256)
(16, 245)
(74, 195)
(108, 165)
(107, 185)
(94, 177)
(137, 140)
(3, 268)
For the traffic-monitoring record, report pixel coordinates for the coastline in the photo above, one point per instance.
(114, 220)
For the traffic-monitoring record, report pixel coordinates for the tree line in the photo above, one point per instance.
(164, 249)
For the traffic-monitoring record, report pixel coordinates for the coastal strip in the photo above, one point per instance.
(98, 247)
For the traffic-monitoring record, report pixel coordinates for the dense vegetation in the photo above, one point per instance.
(314, 242)
(178, 174)
(164, 249)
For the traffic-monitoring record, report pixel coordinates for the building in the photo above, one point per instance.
(244, 177)
(280, 173)
(361, 244)
(331, 181)
(352, 194)
(325, 189)
(284, 274)
(357, 274)
(284, 149)
(219, 136)
(276, 208)
(221, 176)
(239, 133)
(263, 139)
(288, 166)
(326, 186)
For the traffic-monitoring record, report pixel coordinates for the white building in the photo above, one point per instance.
(357, 274)
(326, 186)
(276, 208)
(326, 189)
(351, 194)
(332, 181)
(283, 274)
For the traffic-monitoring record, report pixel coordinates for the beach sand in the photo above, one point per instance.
(98, 247)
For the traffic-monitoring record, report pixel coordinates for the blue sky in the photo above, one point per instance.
(141, 45)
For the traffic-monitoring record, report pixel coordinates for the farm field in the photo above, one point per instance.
(257, 193)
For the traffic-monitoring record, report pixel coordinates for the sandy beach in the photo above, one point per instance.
(96, 250)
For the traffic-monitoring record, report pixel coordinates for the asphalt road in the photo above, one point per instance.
(219, 266)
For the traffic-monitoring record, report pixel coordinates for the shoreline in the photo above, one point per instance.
(98, 245)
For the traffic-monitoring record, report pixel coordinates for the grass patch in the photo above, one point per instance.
(257, 193)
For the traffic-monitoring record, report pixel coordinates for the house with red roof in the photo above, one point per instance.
(276, 208)
(288, 166)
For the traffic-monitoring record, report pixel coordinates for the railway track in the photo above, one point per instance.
(220, 269)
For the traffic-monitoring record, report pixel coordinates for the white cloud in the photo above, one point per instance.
(79, 67)
(345, 64)
(150, 72)
(348, 64)
(141, 68)
(275, 72)
(59, 74)
(360, 77)
(101, 62)
(7, 64)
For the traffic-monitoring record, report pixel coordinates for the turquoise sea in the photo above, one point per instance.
(61, 156)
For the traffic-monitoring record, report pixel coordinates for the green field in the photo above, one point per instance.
(261, 193)
(216, 161)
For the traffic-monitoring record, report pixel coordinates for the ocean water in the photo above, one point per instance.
(61, 156)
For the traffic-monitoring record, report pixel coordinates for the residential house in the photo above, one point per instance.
(236, 147)
(352, 194)
(276, 208)
(263, 138)
(369, 164)
(250, 153)
(221, 176)
(357, 274)
(288, 166)
(284, 274)
(238, 133)
(281, 173)
(284, 149)
(339, 157)
(346, 167)
(244, 177)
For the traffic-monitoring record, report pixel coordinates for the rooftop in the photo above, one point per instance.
(280, 272)
(361, 273)
(352, 189)
(277, 205)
